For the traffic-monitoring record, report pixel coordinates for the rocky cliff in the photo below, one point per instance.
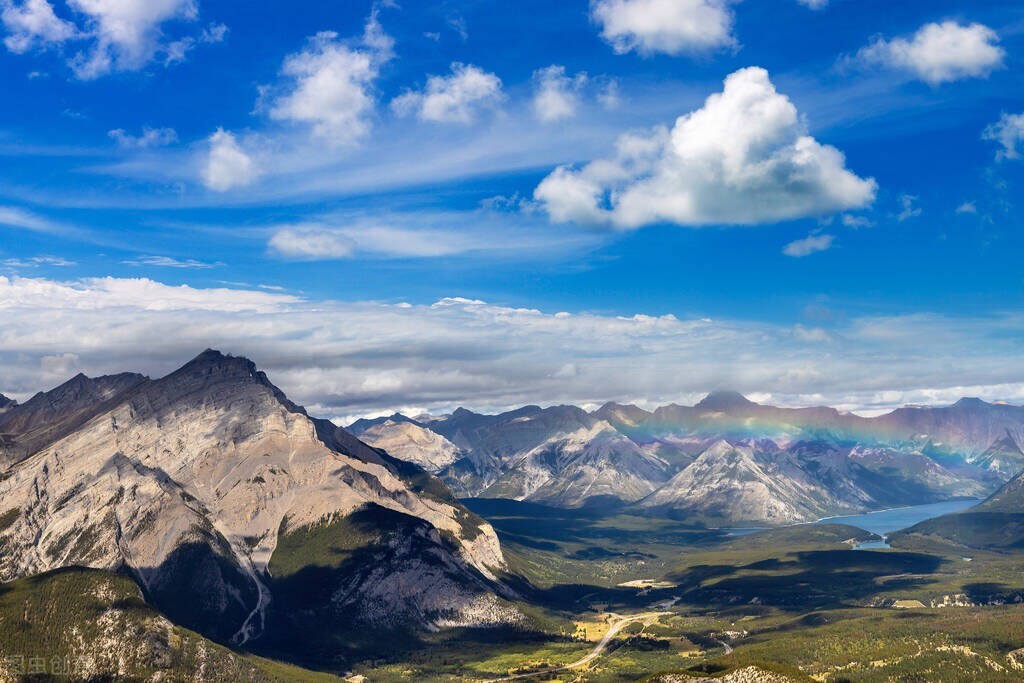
(192, 481)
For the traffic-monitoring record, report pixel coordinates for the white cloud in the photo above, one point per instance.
(115, 35)
(14, 217)
(967, 207)
(342, 358)
(227, 166)
(814, 4)
(126, 33)
(456, 98)
(168, 262)
(150, 137)
(332, 84)
(808, 245)
(33, 23)
(670, 26)
(311, 244)
(63, 364)
(812, 334)
(502, 233)
(36, 261)
(1008, 131)
(176, 51)
(556, 95)
(851, 221)
(744, 158)
(609, 96)
(939, 53)
(907, 208)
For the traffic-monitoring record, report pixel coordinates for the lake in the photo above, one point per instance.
(884, 522)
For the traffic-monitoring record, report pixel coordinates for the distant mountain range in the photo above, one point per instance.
(724, 461)
(238, 514)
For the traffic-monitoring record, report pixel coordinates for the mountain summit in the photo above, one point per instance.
(724, 401)
(225, 500)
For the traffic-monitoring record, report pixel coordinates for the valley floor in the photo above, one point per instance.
(608, 598)
(622, 598)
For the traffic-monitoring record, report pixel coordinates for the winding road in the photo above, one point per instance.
(620, 623)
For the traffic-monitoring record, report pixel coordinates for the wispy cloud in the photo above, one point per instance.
(169, 262)
(808, 245)
(37, 261)
(908, 208)
(149, 137)
(499, 230)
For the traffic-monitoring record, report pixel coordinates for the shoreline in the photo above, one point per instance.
(750, 530)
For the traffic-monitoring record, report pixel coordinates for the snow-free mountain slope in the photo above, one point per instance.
(191, 481)
(408, 440)
(810, 461)
(49, 415)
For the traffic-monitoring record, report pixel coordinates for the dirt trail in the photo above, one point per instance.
(620, 623)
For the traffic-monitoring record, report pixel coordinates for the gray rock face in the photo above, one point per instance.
(726, 459)
(409, 440)
(29, 426)
(186, 482)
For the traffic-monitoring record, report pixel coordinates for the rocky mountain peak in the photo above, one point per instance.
(198, 482)
(971, 403)
(214, 375)
(213, 361)
(725, 400)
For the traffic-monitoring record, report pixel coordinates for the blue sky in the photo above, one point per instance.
(803, 170)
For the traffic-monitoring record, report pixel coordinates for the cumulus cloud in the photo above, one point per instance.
(341, 358)
(939, 53)
(1008, 131)
(227, 166)
(556, 94)
(744, 158)
(456, 98)
(808, 245)
(116, 35)
(126, 33)
(33, 23)
(149, 137)
(331, 84)
(669, 26)
(814, 4)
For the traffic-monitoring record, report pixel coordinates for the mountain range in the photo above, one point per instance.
(205, 508)
(724, 461)
(238, 514)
